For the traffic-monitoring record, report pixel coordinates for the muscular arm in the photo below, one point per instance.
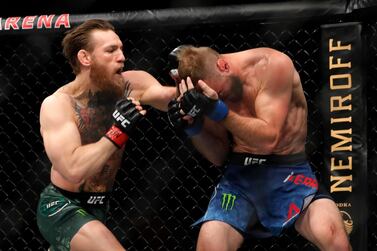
(212, 142)
(149, 91)
(263, 131)
(62, 142)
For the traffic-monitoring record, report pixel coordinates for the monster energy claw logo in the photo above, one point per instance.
(81, 211)
(227, 201)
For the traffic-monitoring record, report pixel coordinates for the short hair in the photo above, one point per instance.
(196, 62)
(79, 38)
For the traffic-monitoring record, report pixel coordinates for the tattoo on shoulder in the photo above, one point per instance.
(79, 117)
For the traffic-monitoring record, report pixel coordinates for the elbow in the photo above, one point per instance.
(268, 148)
(68, 170)
(74, 176)
(270, 144)
(219, 158)
(76, 179)
(217, 162)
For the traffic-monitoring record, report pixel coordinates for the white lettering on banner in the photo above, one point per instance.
(344, 204)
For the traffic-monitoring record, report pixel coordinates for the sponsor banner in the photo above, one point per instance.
(40, 22)
(343, 106)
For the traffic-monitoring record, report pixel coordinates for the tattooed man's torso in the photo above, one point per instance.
(93, 117)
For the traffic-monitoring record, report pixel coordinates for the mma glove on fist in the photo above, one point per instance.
(196, 104)
(176, 119)
(125, 117)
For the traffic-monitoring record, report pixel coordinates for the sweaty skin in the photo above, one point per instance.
(258, 102)
(75, 118)
(267, 115)
(267, 106)
(91, 113)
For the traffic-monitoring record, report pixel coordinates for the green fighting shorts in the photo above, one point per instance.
(60, 214)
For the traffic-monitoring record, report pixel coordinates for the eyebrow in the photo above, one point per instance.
(113, 47)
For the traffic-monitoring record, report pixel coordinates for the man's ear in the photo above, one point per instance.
(222, 65)
(84, 57)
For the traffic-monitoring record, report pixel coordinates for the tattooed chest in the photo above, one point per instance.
(93, 123)
(104, 180)
(94, 118)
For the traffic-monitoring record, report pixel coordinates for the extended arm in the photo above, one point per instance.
(149, 91)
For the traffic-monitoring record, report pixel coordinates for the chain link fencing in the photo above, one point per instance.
(164, 185)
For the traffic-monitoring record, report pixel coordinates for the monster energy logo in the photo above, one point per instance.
(227, 201)
(81, 211)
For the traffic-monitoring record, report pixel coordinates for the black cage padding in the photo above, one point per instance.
(164, 185)
(204, 15)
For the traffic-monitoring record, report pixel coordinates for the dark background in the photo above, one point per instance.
(100, 6)
(37, 7)
(163, 189)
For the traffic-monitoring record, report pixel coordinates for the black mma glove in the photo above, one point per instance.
(175, 117)
(176, 120)
(125, 117)
(196, 105)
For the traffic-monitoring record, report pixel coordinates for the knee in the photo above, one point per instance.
(209, 245)
(218, 236)
(335, 238)
(213, 244)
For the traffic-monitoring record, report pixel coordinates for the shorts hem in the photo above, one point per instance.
(199, 222)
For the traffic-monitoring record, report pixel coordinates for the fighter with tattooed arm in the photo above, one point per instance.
(85, 126)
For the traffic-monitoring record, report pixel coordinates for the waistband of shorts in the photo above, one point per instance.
(247, 159)
(87, 198)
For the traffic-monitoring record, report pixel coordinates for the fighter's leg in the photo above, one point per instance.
(95, 236)
(322, 224)
(218, 236)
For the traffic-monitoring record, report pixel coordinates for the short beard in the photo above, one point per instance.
(236, 90)
(102, 80)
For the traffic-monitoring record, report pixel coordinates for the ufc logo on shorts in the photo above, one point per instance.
(119, 117)
(95, 200)
(251, 161)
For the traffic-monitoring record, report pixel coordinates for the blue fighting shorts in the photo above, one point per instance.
(260, 195)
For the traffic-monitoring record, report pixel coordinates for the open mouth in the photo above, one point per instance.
(120, 70)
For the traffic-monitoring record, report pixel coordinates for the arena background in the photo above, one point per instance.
(164, 184)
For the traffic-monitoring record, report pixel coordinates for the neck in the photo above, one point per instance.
(83, 84)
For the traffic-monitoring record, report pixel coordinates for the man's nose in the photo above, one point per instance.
(121, 57)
